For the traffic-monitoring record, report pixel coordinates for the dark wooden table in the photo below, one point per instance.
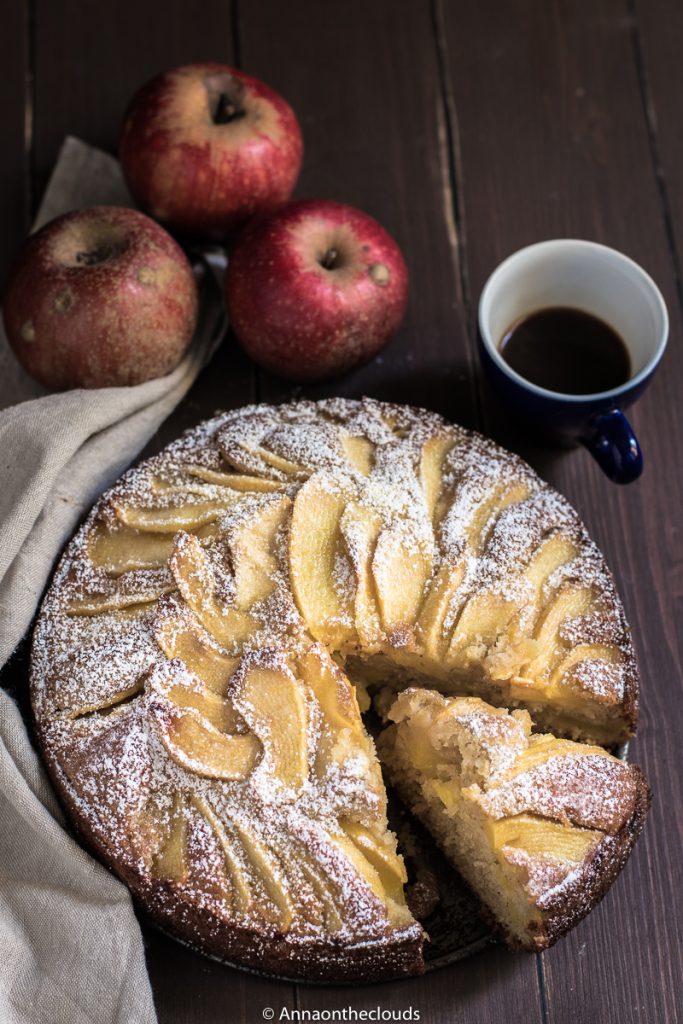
(469, 128)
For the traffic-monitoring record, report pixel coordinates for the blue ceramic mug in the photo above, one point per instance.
(582, 275)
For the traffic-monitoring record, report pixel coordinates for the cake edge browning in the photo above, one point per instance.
(631, 699)
(591, 884)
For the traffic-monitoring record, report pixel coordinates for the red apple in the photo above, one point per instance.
(315, 288)
(204, 147)
(100, 297)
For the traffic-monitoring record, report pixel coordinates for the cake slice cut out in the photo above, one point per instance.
(539, 827)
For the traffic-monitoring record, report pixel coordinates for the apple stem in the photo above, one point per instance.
(225, 110)
(329, 260)
(90, 257)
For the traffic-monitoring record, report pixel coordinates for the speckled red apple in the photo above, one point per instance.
(204, 147)
(315, 288)
(100, 297)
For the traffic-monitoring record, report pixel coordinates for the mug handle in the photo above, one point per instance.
(613, 444)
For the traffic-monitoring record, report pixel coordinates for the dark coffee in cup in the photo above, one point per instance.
(567, 350)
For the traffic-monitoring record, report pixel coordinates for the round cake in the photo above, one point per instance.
(229, 609)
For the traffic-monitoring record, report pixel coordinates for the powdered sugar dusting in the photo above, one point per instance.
(210, 497)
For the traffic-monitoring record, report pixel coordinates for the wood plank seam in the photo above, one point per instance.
(449, 115)
(542, 987)
(236, 31)
(650, 117)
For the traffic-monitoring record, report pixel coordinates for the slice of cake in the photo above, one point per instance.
(538, 826)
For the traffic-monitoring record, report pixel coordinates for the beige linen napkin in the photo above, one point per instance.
(70, 946)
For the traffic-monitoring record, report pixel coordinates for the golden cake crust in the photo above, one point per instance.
(191, 587)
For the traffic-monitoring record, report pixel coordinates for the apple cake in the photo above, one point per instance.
(227, 611)
(538, 826)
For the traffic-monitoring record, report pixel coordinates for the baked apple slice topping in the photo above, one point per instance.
(284, 466)
(553, 552)
(391, 908)
(332, 690)
(196, 581)
(360, 527)
(117, 551)
(483, 619)
(240, 889)
(164, 832)
(323, 908)
(251, 544)
(269, 873)
(380, 852)
(237, 481)
(171, 518)
(438, 603)
(432, 457)
(344, 761)
(131, 589)
(241, 446)
(320, 570)
(542, 837)
(358, 452)
(569, 602)
(117, 548)
(489, 509)
(107, 703)
(401, 566)
(176, 488)
(179, 635)
(186, 691)
(272, 703)
(193, 743)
